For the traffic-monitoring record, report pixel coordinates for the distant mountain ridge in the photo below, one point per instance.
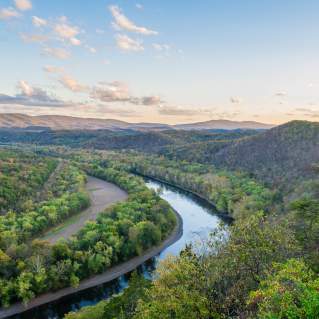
(60, 122)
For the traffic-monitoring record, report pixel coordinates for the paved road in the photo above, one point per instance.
(102, 194)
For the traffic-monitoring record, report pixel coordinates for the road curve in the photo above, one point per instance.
(102, 195)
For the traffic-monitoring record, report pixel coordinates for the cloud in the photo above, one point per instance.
(8, 13)
(66, 31)
(183, 111)
(161, 47)
(127, 44)
(92, 50)
(111, 92)
(151, 100)
(72, 84)
(123, 23)
(39, 22)
(139, 6)
(26, 88)
(31, 96)
(23, 5)
(308, 112)
(58, 53)
(75, 41)
(281, 93)
(236, 100)
(40, 38)
(119, 92)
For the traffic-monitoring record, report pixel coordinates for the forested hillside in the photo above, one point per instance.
(157, 142)
(281, 156)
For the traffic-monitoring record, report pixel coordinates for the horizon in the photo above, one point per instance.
(161, 62)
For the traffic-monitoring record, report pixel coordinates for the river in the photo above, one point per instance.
(199, 218)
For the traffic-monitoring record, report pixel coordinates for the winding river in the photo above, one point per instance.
(199, 218)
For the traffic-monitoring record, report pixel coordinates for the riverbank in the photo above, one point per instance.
(105, 277)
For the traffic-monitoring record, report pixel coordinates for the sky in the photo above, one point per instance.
(161, 61)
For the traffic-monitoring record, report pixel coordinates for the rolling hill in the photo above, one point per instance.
(59, 122)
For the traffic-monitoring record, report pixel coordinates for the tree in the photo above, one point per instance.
(290, 291)
(305, 214)
(176, 293)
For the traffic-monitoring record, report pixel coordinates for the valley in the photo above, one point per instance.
(97, 219)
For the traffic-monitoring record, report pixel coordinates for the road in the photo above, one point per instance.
(102, 195)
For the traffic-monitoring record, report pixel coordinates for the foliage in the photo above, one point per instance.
(305, 219)
(21, 175)
(290, 291)
(282, 157)
(215, 281)
(176, 293)
(67, 198)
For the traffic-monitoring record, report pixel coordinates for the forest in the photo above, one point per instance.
(266, 267)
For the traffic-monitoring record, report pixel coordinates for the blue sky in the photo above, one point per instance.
(161, 61)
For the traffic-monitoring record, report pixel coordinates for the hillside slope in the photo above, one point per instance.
(277, 156)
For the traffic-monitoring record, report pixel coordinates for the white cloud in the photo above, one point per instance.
(39, 22)
(8, 13)
(66, 31)
(23, 5)
(128, 44)
(236, 100)
(122, 22)
(139, 6)
(75, 41)
(111, 92)
(72, 84)
(25, 88)
(119, 92)
(58, 53)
